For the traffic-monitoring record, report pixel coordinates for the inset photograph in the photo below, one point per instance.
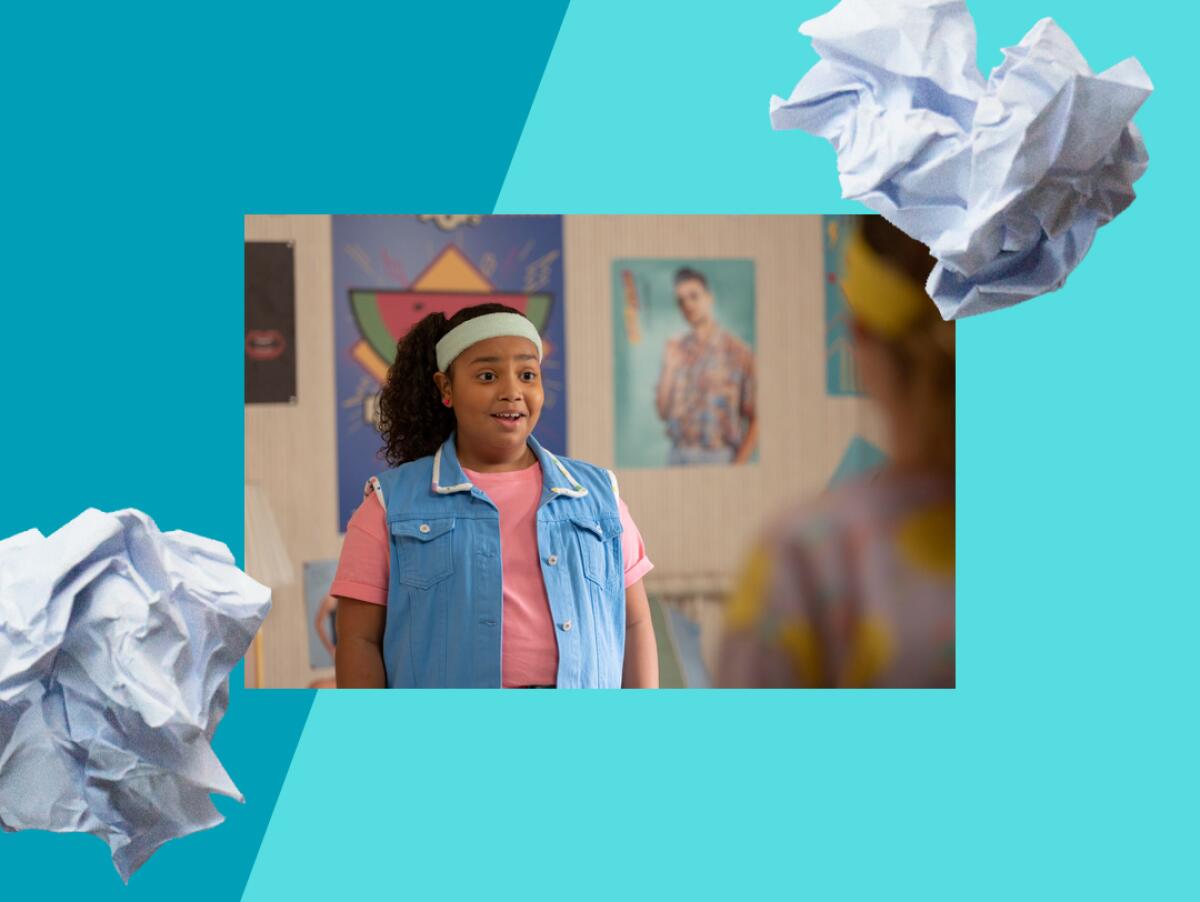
(597, 452)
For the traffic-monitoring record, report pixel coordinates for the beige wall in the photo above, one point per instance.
(696, 523)
(291, 449)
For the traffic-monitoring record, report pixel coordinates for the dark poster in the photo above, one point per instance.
(270, 323)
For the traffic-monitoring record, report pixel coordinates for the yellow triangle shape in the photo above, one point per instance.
(452, 271)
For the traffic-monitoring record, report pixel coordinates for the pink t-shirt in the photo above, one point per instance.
(530, 651)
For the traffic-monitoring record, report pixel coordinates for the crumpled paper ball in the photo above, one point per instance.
(116, 643)
(1006, 180)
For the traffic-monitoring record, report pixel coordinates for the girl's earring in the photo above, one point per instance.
(446, 402)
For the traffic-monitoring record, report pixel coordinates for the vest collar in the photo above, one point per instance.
(448, 475)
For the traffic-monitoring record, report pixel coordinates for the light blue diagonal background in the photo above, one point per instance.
(1062, 766)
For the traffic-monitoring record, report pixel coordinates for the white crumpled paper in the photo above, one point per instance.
(116, 642)
(1006, 180)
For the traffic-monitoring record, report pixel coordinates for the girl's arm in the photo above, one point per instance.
(360, 644)
(641, 652)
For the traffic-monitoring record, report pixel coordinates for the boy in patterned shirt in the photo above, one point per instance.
(705, 392)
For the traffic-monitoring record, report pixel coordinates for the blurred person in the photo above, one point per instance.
(856, 588)
(480, 559)
(705, 391)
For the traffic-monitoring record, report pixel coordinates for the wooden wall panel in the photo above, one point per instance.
(291, 449)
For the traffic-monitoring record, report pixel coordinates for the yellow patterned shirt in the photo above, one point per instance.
(856, 589)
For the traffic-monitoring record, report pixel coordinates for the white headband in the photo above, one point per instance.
(481, 328)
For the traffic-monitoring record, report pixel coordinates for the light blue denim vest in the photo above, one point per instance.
(445, 601)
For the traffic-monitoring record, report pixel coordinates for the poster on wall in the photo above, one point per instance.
(391, 271)
(270, 341)
(321, 610)
(840, 375)
(683, 362)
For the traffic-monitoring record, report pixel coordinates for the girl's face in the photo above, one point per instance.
(495, 390)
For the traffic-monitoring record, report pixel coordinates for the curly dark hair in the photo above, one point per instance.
(412, 419)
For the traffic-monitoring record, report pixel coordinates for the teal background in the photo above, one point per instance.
(638, 433)
(1064, 765)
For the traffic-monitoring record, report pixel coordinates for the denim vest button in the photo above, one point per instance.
(424, 527)
(552, 560)
(566, 625)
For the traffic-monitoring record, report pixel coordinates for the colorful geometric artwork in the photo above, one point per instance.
(384, 317)
(459, 261)
(840, 375)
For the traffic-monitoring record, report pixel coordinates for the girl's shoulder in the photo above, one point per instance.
(410, 473)
(596, 482)
(580, 469)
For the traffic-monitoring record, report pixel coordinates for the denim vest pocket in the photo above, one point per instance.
(424, 550)
(598, 550)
